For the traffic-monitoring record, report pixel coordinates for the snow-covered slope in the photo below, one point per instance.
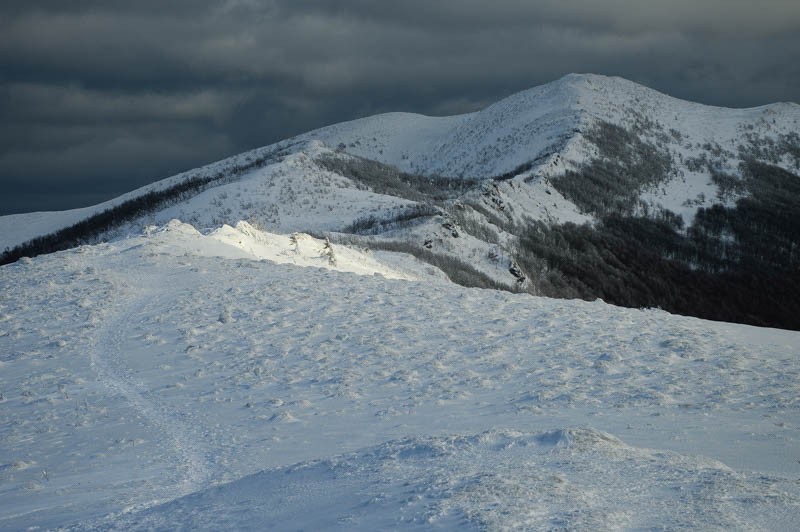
(484, 144)
(18, 228)
(538, 134)
(184, 379)
(548, 120)
(286, 193)
(470, 189)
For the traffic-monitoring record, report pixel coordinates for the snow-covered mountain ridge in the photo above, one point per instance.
(491, 190)
(543, 125)
(530, 125)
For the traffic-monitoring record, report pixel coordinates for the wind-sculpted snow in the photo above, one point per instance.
(180, 380)
(575, 479)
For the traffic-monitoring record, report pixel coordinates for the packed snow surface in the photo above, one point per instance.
(235, 378)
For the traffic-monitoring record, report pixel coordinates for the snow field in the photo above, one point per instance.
(181, 380)
(575, 479)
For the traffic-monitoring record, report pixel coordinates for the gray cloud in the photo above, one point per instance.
(106, 95)
(732, 17)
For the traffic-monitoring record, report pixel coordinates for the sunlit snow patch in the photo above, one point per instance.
(247, 242)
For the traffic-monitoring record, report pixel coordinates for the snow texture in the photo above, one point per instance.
(235, 378)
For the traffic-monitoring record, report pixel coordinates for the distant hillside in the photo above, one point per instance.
(588, 187)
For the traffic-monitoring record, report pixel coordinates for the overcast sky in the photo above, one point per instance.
(100, 96)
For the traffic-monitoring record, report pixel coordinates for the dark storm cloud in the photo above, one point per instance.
(112, 94)
(704, 16)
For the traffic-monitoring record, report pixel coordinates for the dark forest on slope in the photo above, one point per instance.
(739, 263)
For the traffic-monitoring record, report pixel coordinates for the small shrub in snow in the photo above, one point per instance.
(327, 251)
